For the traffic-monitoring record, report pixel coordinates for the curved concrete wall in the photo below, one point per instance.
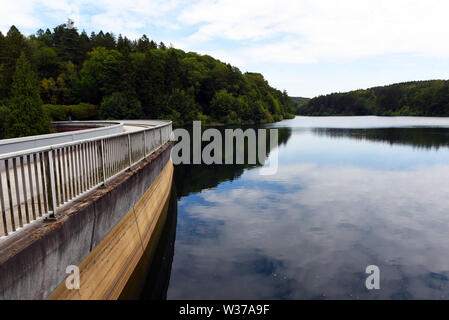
(105, 272)
(33, 262)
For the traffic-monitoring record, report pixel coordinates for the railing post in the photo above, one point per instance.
(2, 200)
(144, 143)
(129, 150)
(102, 162)
(51, 180)
(160, 135)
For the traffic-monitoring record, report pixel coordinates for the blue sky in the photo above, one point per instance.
(308, 47)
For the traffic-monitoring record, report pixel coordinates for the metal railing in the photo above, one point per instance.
(35, 183)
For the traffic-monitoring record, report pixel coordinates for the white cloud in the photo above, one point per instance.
(267, 31)
(19, 13)
(308, 31)
(108, 15)
(129, 17)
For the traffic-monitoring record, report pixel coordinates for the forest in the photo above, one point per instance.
(298, 102)
(64, 74)
(417, 98)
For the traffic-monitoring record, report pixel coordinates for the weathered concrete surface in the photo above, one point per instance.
(33, 262)
(105, 272)
(151, 277)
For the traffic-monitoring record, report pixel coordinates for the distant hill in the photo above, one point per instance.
(298, 102)
(417, 98)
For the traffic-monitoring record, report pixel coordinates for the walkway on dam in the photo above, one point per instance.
(35, 182)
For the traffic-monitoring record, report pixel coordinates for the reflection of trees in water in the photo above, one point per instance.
(194, 178)
(421, 138)
(158, 276)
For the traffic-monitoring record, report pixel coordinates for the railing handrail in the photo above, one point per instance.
(39, 181)
(20, 153)
(59, 134)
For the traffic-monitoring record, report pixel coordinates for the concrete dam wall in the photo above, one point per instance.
(105, 234)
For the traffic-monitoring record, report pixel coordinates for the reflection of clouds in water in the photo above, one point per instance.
(313, 237)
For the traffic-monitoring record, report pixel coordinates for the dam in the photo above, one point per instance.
(90, 198)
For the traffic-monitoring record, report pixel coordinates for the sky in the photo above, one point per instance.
(307, 47)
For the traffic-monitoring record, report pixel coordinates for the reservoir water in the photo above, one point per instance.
(349, 192)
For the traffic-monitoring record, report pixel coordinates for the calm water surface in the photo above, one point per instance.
(349, 192)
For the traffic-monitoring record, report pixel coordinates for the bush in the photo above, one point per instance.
(182, 105)
(82, 111)
(222, 104)
(119, 106)
(56, 112)
(179, 106)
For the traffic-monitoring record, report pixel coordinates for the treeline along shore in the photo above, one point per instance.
(64, 74)
(418, 98)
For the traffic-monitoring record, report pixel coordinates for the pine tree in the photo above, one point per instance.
(25, 115)
(12, 46)
(3, 85)
(123, 45)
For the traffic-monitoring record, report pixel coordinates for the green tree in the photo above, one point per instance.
(13, 45)
(69, 84)
(25, 115)
(67, 43)
(124, 45)
(3, 91)
(118, 106)
(101, 73)
(46, 61)
(181, 106)
(224, 107)
(3, 86)
(103, 40)
(145, 45)
(3, 113)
